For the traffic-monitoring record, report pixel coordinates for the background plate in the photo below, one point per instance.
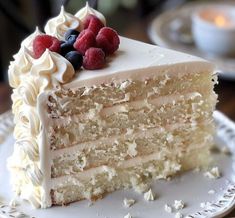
(172, 29)
(191, 187)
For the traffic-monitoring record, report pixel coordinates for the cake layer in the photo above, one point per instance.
(178, 139)
(94, 183)
(133, 116)
(79, 101)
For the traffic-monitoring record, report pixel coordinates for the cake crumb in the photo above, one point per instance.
(179, 204)
(211, 192)
(131, 151)
(178, 215)
(168, 208)
(128, 216)
(169, 137)
(204, 204)
(213, 173)
(149, 196)
(128, 202)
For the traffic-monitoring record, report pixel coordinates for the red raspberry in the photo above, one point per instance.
(85, 40)
(42, 42)
(94, 59)
(108, 40)
(93, 23)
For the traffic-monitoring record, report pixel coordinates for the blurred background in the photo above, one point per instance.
(151, 21)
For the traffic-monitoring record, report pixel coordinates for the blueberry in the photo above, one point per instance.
(70, 32)
(71, 39)
(75, 58)
(65, 48)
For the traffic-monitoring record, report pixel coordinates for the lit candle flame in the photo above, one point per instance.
(220, 21)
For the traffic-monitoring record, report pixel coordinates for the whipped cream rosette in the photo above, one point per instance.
(57, 26)
(87, 10)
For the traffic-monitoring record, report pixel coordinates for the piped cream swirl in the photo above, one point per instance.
(30, 77)
(85, 11)
(29, 90)
(52, 69)
(29, 147)
(28, 42)
(57, 26)
(21, 65)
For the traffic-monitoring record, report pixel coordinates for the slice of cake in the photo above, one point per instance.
(143, 114)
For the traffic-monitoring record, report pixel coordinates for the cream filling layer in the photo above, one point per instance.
(85, 175)
(63, 180)
(162, 100)
(132, 135)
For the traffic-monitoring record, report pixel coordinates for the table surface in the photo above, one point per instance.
(137, 30)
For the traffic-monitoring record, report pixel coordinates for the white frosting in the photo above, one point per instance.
(21, 65)
(52, 69)
(149, 196)
(168, 208)
(178, 215)
(179, 204)
(57, 26)
(87, 10)
(28, 42)
(128, 202)
(138, 60)
(29, 147)
(29, 90)
(31, 77)
(128, 216)
(213, 173)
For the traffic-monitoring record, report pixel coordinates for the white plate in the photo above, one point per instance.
(172, 29)
(191, 187)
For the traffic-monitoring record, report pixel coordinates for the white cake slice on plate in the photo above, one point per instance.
(146, 115)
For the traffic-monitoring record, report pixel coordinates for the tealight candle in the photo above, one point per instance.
(213, 29)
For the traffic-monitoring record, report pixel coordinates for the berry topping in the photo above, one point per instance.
(94, 59)
(108, 40)
(93, 23)
(65, 48)
(42, 42)
(85, 40)
(75, 59)
(69, 33)
(71, 39)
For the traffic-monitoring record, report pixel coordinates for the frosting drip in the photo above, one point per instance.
(85, 11)
(57, 26)
(30, 77)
